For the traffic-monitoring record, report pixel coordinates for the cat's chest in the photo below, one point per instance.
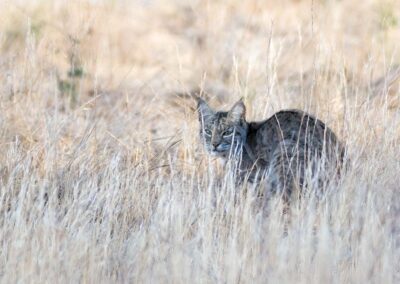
(261, 145)
(258, 152)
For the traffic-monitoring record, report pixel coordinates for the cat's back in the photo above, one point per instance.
(289, 125)
(283, 124)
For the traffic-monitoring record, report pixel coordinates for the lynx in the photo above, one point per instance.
(288, 151)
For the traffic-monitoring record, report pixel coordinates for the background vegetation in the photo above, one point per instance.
(101, 173)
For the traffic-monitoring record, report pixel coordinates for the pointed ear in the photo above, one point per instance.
(204, 110)
(237, 112)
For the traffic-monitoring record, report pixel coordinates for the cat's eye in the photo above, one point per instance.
(208, 132)
(228, 132)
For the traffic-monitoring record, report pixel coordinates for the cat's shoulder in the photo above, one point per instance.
(290, 113)
(282, 116)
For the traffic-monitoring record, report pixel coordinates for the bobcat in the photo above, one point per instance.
(286, 152)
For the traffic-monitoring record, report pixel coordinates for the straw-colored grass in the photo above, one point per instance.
(101, 173)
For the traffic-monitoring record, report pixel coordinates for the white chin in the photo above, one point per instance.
(216, 153)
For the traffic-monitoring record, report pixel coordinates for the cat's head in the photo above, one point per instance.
(222, 133)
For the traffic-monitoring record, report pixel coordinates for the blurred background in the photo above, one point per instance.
(142, 57)
(102, 178)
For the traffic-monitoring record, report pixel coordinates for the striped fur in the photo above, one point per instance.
(288, 151)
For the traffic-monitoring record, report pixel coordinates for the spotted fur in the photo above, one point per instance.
(284, 151)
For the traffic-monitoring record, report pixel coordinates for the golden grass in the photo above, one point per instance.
(101, 173)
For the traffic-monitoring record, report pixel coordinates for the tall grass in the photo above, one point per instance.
(101, 173)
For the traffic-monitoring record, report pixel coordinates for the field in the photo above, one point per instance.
(102, 175)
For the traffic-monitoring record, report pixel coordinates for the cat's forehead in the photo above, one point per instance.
(221, 115)
(220, 118)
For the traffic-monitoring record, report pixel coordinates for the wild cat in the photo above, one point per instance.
(287, 151)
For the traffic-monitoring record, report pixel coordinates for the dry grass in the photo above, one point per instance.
(102, 178)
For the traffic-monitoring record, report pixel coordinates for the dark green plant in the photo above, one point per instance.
(70, 85)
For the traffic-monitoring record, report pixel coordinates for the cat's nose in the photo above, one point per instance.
(215, 145)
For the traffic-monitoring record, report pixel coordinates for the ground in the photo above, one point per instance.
(101, 171)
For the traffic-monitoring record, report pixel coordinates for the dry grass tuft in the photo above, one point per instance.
(101, 175)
